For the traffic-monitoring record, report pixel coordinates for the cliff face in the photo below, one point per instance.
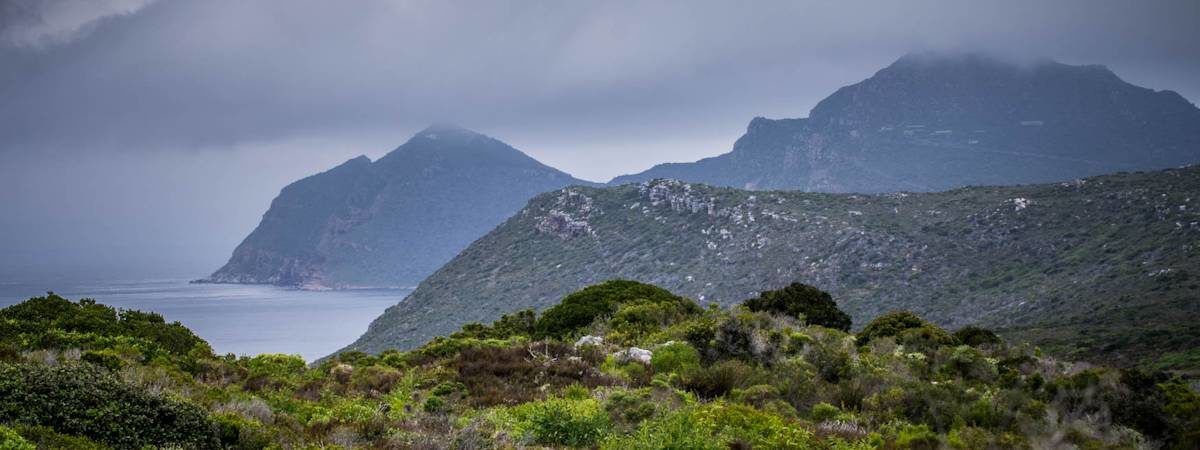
(393, 221)
(1097, 268)
(931, 122)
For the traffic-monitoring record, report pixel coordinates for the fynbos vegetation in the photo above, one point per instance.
(618, 365)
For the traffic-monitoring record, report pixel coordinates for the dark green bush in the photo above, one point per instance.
(54, 322)
(520, 323)
(720, 378)
(894, 324)
(814, 306)
(976, 336)
(583, 307)
(103, 358)
(84, 400)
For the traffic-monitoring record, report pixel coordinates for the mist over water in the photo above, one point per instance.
(240, 319)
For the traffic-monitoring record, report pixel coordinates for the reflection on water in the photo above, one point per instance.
(239, 319)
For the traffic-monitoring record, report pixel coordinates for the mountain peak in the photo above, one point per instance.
(447, 129)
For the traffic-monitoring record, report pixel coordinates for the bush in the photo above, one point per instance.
(558, 421)
(628, 408)
(10, 440)
(917, 437)
(42, 319)
(510, 375)
(636, 319)
(968, 363)
(583, 307)
(107, 359)
(676, 357)
(520, 323)
(814, 306)
(896, 324)
(720, 378)
(757, 429)
(69, 398)
(823, 411)
(678, 430)
(976, 336)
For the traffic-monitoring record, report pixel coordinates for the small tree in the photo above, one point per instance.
(814, 306)
(906, 327)
(976, 336)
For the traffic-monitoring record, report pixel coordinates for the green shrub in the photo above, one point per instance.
(46, 320)
(583, 307)
(237, 432)
(814, 306)
(904, 326)
(434, 405)
(84, 400)
(720, 378)
(447, 387)
(520, 323)
(676, 431)
(558, 421)
(677, 357)
(976, 336)
(968, 363)
(742, 424)
(636, 319)
(47, 438)
(10, 440)
(630, 407)
(917, 437)
(107, 359)
(823, 411)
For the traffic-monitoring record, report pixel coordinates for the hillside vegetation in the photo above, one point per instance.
(1099, 269)
(619, 365)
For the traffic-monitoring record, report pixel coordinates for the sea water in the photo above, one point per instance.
(240, 319)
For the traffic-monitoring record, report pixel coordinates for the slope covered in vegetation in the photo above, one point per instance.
(619, 365)
(1098, 269)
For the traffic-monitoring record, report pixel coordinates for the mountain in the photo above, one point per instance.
(1098, 268)
(393, 221)
(932, 122)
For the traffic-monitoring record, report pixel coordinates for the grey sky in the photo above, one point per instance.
(141, 130)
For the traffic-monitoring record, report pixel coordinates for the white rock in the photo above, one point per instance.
(633, 354)
(589, 340)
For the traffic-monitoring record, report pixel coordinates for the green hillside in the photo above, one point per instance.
(1099, 269)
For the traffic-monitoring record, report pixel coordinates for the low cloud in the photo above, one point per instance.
(111, 109)
(42, 23)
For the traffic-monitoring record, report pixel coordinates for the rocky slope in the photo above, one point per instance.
(935, 122)
(1098, 268)
(393, 221)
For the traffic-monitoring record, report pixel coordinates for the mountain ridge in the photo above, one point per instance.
(931, 122)
(389, 222)
(1105, 256)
